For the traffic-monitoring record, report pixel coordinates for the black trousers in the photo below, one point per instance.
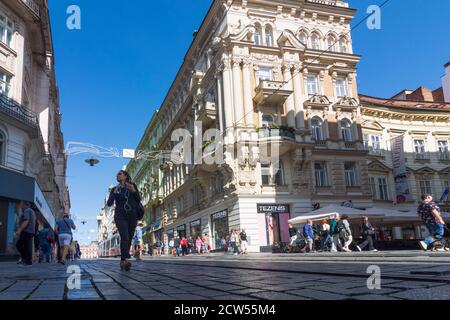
(367, 241)
(184, 251)
(25, 247)
(127, 227)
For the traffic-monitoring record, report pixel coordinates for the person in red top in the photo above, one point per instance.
(184, 246)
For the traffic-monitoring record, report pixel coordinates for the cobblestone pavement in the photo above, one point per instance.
(412, 275)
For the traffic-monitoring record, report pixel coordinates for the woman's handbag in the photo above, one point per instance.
(140, 211)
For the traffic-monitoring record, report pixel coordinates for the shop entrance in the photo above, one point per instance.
(273, 234)
(273, 225)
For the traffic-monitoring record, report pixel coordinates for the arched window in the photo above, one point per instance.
(2, 147)
(346, 130)
(317, 129)
(315, 41)
(331, 43)
(267, 120)
(269, 36)
(303, 37)
(343, 45)
(258, 35)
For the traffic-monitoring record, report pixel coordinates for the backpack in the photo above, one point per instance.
(184, 243)
(343, 233)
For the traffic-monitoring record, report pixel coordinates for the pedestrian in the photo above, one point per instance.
(234, 242)
(198, 244)
(244, 243)
(177, 246)
(430, 214)
(191, 245)
(137, 242)
(345, 233)
(324, 234)
(368, 232)
(184, 246)
(292, 234)
(26, 232)
(37, 250)
(64, 229)
(46, 237)
(127, 199)
(78, 251)
(206, 246)
(334, 232)
(308, 233)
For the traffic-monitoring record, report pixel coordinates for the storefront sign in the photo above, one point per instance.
(196, 223)
(273, 208)
(399, 169)
(220, 215)
(42, 205)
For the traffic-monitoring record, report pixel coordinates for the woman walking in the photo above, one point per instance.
(199, 244)
(64, 229)
(345, 233)
(368, 232)
(126, 197)
(234, 241)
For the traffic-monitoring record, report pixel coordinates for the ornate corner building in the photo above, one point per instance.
(264, 73)
(32, 159)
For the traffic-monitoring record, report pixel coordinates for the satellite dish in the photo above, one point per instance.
(92, 161)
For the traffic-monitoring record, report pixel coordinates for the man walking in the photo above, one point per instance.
(137, 241)
(308, 233)
(431, 216)
(368, 232)
(334, 232)
(292, 234)
(26, 232)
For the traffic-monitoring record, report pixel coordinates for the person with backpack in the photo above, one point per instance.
(368, 232)
(308, 234)
(244, 243)
(64, 229)
(128, 208)
(292, 234)
(345, 233)
(184, 246)
(234, 242)
(334, 233)
(46, 238)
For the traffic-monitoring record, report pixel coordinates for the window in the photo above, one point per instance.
(419, 148)
(425, 187)
(443, 150)
(331, 42)
(373, 187)
(258, 35)
(346, 130)
(315, 41)
(265, 174)
(279, 175)
(267, 120)
(383, 189)
(312, 85)
(350, 174)
(6, 30)
(320, 171)
(375, 142)
(264, 73)
(317, 129)
(269, 36)
(2, 148)
(302, 37)
(343, 45)
(5, 84)
(341, 87)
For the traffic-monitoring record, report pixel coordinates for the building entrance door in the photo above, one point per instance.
(273, 228)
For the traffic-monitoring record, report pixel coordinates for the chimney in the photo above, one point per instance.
(446, 82)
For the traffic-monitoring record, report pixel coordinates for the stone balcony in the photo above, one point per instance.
(33, 6)
(28, 9)
(269, 93)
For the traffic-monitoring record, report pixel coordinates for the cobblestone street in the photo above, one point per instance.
(412, 275)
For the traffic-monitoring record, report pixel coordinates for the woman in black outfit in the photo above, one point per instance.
(126, 197)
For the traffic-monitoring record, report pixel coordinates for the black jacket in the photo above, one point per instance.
(120, 199)
(367, 229)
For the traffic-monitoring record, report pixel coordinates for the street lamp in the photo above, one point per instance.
(92, 161)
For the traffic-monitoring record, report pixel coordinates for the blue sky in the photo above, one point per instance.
(115, 71)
